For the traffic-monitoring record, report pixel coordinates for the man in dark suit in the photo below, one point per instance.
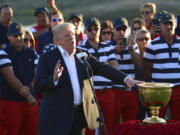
(68, 102)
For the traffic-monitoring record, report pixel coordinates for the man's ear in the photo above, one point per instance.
(175, 24)
(8, 36)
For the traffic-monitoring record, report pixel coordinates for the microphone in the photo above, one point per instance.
(82, 56)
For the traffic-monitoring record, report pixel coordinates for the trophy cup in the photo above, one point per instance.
(154, 96)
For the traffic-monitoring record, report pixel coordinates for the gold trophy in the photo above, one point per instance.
(154, 96)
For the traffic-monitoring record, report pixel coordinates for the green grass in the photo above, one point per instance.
(103, 9)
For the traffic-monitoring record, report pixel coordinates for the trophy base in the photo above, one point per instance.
(154, 120)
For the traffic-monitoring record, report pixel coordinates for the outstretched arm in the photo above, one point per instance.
(110, 72)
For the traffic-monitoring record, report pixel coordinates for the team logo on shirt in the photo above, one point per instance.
(29, 60)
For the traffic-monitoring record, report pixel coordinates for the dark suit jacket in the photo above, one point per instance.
(56, 111)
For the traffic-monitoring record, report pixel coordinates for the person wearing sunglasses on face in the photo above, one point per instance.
(103, 86)
(29, 40)
(127, 59)
(77, 20)
(45, 40)
(136, 24)
(106, 31)
(148, 11)
(142, 39)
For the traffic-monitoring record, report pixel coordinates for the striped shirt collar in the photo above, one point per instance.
(174, 41)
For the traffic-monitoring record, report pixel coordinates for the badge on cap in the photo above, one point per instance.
(17, 27)
(92, 20)
(167, 16)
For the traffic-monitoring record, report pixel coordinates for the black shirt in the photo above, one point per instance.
(3, 35)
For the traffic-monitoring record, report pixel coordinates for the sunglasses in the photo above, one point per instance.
(142, 39)
(136, 28)
(145, 12)
(26, 40)
(106, 33)
(89, 29)
(56, 20)
(121, 28)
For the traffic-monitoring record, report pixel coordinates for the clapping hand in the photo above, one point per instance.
(57, 71)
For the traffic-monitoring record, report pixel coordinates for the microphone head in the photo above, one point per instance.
(82, 55)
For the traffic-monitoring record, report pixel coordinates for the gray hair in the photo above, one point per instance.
(57, 30)
(145, 31)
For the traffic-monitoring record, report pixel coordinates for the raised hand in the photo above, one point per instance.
(57, 71)
(52, 4)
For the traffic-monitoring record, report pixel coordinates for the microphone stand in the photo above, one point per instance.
(101, 120)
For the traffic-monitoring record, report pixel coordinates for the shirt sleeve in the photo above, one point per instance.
(4, 60)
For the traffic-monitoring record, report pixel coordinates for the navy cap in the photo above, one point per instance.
(167, 17)
(15, 28)
(41, 9)
(78, 15)
(160, 14)
(92, 20)
(120, 21)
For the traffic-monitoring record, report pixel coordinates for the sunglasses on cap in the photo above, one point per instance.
(27, 39)
(56, 20)
(145, 12)
(136, 28)
(106, 33)
(142, 39)
(123, 28)
(89, 29)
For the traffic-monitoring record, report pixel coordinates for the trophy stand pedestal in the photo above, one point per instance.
(154, 118)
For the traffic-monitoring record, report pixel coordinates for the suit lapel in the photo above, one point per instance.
(65, 73)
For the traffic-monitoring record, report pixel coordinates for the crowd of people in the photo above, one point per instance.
(79, 77)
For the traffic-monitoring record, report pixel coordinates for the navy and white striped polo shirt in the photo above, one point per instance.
(125, 63)
(104, 53)
(23, 63)
(165, 59)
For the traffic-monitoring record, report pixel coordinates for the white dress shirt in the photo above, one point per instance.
(71, 67)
